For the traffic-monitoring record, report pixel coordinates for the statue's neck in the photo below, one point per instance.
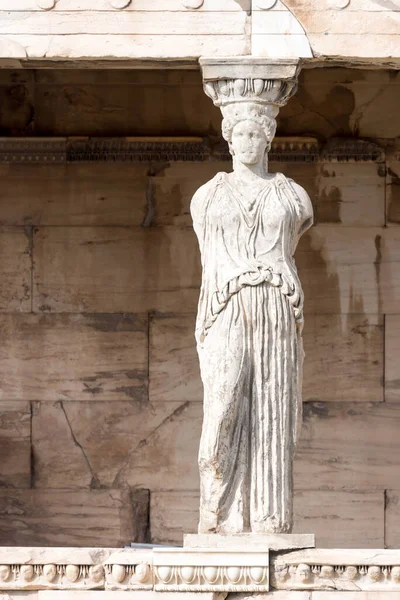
(250, 173)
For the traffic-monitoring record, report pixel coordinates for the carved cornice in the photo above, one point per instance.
(33, 150)
(41, 151)
(137, 150)
(256, 90)
(348, 150)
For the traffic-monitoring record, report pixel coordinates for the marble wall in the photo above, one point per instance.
(100, 395)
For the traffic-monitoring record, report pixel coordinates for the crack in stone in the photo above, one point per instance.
(178, 411)
(95, 483)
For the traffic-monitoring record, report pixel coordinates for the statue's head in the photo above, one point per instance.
(249, 131)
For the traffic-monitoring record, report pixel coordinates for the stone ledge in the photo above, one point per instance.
(176, 570)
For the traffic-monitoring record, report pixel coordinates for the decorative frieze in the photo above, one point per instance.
(351, 150)
(145, 150)
(206, 570)
(75, 569)
(199, 570)
(137, 150)
(342, 570)
(123, 575)
(51, 576)
(33, 150)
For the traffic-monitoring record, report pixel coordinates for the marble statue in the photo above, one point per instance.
(249, 322)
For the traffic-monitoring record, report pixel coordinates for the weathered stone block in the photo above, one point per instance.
(348, 445)
(350, 270)
(97, 444)
(17, 100)
(351, 194)
(15, 443)
(15, 269)
(73, 194)
(353, 519)
(174, 364)
(393, 189)
(167, 456)
(392, 352)
(116, 269)
(81, 96)
(73, 518)
(74, 356)
(392, 517)
(338, 344)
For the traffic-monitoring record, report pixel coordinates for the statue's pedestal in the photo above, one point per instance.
(222, 563)
(251, 541)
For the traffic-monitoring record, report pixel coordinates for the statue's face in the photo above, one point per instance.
(249, 142)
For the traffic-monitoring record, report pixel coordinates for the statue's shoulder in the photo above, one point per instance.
(201, 196)
(306, 212)
(211, 184)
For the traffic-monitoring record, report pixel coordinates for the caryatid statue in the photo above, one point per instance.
(250, 314)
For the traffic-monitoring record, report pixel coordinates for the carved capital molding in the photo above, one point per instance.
(249, 89)
(247, 80)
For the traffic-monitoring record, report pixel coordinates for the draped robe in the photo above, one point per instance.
(248, 333)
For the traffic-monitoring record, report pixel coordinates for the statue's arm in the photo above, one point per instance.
(306, 217)
(198, 207)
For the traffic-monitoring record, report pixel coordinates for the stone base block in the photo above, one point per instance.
(251, 541)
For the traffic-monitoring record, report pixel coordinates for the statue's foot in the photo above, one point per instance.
(271, 526)
(208, 522)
